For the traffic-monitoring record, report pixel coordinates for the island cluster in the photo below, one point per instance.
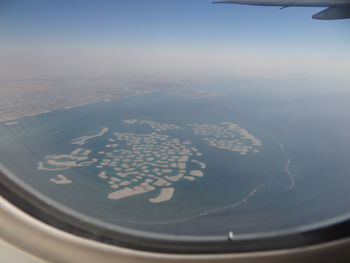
(137, 163)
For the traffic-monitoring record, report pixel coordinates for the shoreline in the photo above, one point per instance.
(4, 120)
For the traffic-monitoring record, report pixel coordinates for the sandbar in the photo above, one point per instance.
(165, 195)
(82, 140)
(61, 179)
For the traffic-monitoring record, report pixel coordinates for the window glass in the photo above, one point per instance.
(178, 118)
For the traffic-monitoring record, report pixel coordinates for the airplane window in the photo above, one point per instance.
(180, 126)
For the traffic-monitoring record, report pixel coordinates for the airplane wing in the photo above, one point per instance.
(333, 13)
(336, 9)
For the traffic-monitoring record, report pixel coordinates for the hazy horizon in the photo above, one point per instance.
(83, 39)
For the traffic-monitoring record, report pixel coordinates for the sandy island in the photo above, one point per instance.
(82, 140)
(165, 195)
(61, 179)
(11, 123)
(227, 136)
(134, 164)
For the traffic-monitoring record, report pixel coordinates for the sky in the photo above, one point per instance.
(83, 38)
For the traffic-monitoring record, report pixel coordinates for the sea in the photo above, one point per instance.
(299, 177)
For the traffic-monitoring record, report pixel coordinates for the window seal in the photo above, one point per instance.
(50, 212)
